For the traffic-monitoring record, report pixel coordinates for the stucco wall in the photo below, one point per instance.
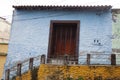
(3, 47)
(30, 31)
(3, 53)
(116, 30)
(2, 62)
(4, 30)
(116, 33)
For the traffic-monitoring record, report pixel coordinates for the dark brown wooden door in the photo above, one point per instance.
(63, 40)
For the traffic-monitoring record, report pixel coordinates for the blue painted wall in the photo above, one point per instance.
(30, 37)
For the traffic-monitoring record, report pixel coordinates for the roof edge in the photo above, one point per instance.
(3, 43)
(3, 54)
(31, 7)
(4, 19)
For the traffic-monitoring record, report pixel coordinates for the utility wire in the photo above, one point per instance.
(38, 17)
(41, 17)
(21, 14)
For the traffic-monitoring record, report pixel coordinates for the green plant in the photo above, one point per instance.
(13, 78)
(80, 78)
(69, 78)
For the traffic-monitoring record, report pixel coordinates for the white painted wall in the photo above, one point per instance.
(4, 30)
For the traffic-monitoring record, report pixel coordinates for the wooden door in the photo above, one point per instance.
(64, 40)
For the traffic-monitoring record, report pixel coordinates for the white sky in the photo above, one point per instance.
(6, 5)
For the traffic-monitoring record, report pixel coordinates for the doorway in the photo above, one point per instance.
(64, 39)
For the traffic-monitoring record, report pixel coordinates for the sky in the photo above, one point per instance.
(6, 9)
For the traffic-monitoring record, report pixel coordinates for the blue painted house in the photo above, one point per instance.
(63, 30)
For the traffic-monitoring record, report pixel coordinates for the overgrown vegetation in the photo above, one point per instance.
(98, 78)
(34, 73)
(14, 78)
(56, 75)
(80, 78)
(66, 72)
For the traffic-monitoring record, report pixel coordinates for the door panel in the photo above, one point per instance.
(63, 40)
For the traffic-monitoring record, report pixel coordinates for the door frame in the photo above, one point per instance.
(64, 21)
